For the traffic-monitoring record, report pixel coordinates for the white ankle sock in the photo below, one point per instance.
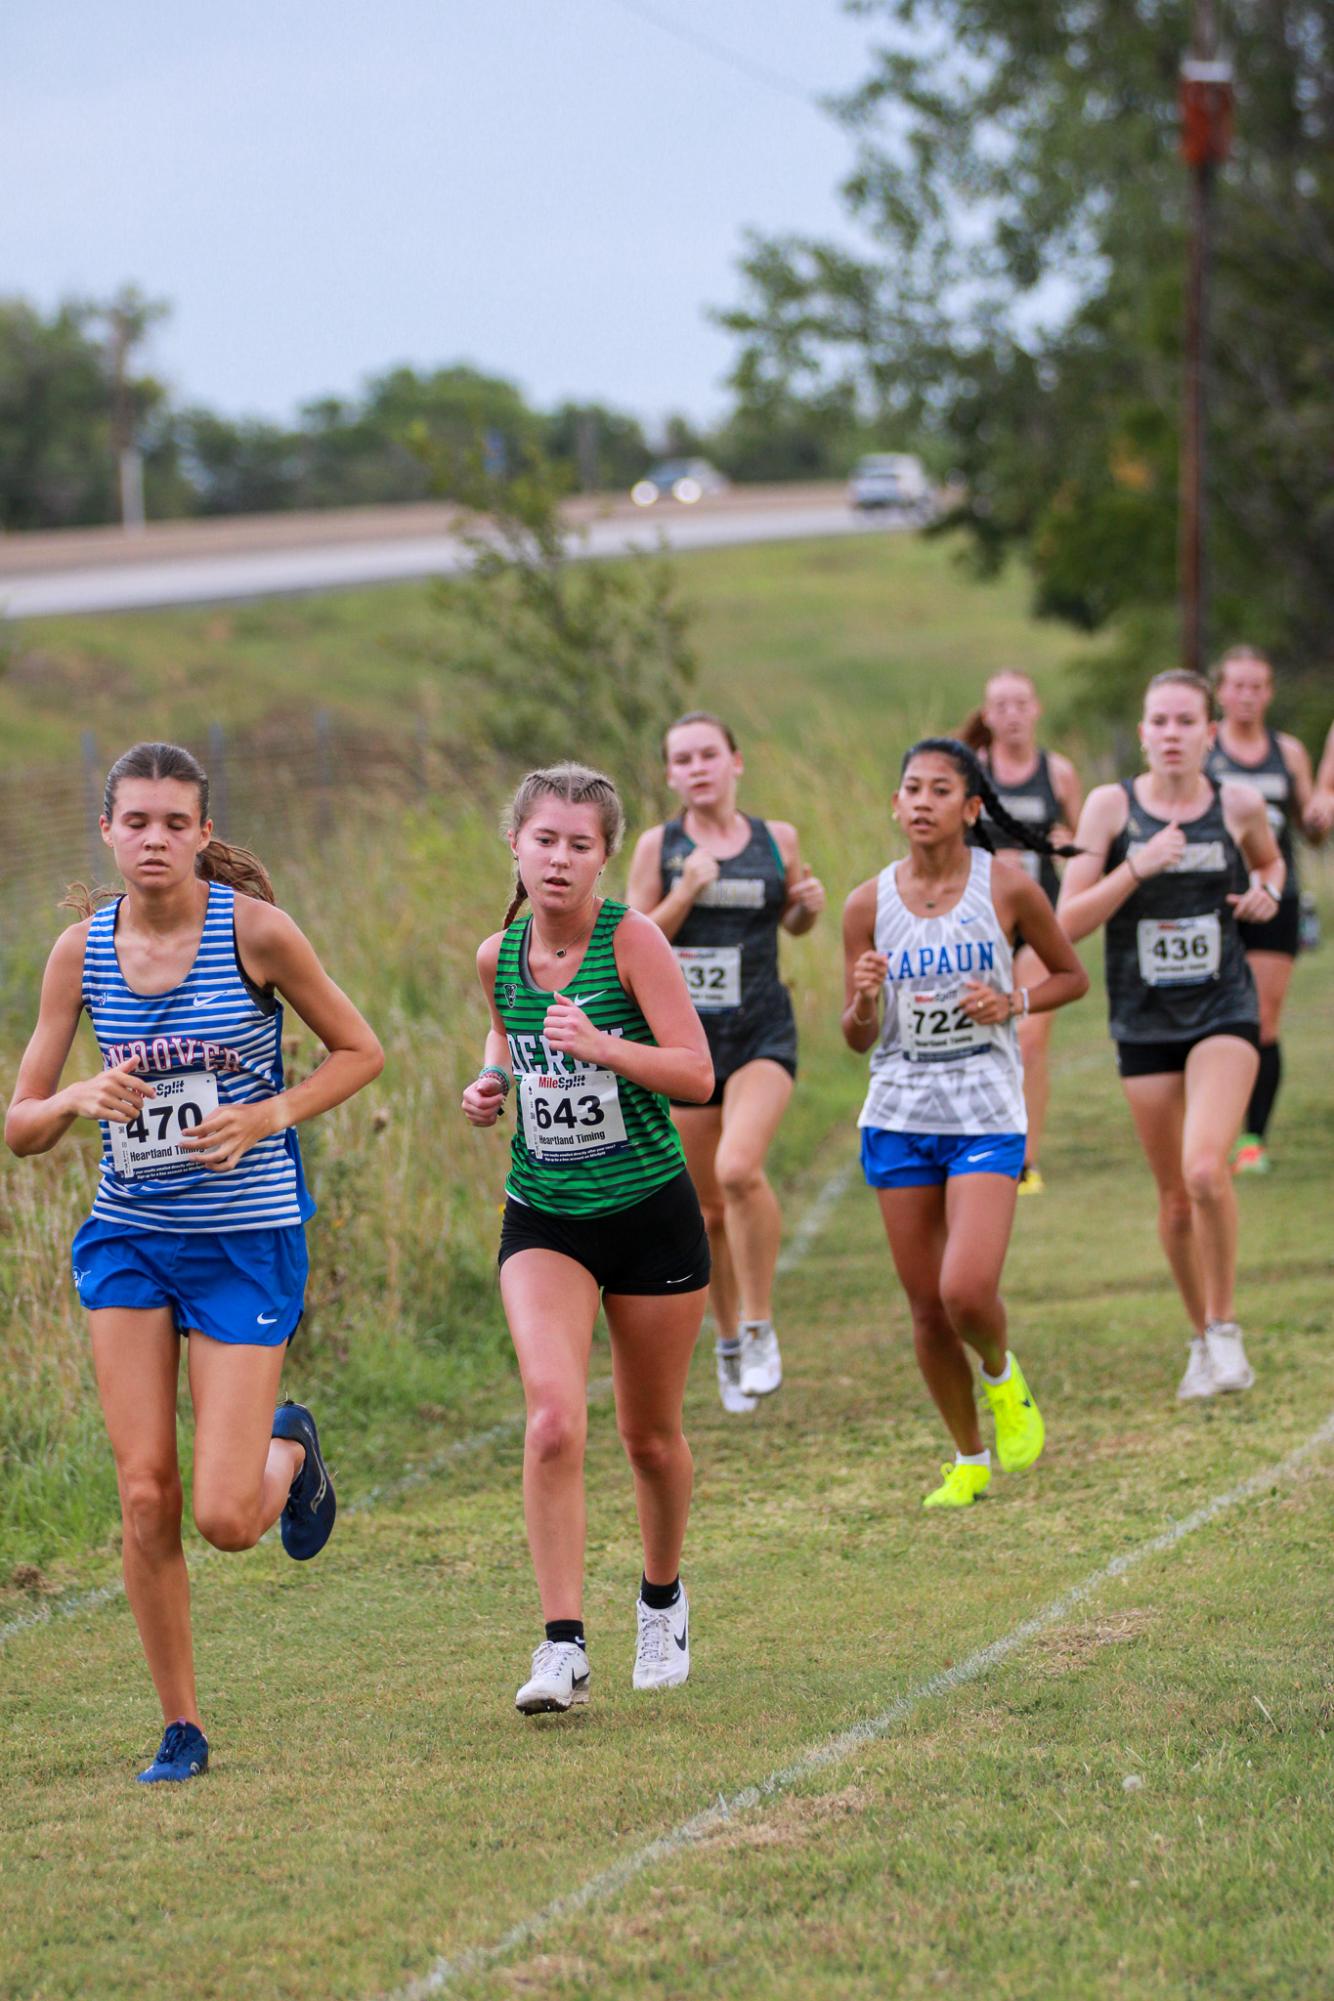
(1003, 1377)
(982, 1458)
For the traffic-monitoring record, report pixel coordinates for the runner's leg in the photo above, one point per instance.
(1158, 1107)
(1273, 972)
(979, 1211)
(1034, 1042)
(914, 1221)
(652, 1340)
(700, 1127)
(1220, 1074)
(754, 1100)
(551, 1303)
(242, 1473)
(136, 1356)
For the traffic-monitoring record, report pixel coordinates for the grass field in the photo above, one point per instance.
(1074, 1742)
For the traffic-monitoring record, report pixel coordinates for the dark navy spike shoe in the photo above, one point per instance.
(182, 1754)
(308, 1518)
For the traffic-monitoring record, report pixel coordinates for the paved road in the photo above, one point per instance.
(138, 584)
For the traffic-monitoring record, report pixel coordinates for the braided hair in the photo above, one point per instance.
(977, 785)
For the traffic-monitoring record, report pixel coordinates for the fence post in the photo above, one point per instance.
(92, 792)
(324, 769)
(219, 804)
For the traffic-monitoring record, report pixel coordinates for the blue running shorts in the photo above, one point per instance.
(928, 1160)
(246, 1287)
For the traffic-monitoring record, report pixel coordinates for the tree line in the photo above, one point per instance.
(72, 399)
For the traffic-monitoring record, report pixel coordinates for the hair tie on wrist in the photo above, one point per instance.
(494, 1070)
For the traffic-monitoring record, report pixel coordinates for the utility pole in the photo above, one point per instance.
(1206, 100)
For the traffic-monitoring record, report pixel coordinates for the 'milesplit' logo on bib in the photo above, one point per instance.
(150, 1145)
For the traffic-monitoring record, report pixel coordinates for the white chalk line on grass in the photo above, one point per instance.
(74, 1602)
(835, 1750)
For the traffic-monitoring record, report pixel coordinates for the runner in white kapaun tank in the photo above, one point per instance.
(930, 941)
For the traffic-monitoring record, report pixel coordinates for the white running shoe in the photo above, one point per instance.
(559, 1678)
(1198, 1381)
(761, 1363)
(662, 1657)
(1227, 1357)
(733, 1396)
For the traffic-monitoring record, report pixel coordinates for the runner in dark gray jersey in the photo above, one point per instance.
(721, 884)
(1164, 865)
(1279, 768)
(1040, 789)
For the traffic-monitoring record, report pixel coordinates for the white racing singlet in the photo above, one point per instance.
(933, 1070)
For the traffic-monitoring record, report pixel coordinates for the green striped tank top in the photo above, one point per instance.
(586, 1141)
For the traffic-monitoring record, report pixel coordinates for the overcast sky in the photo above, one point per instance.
(554, 190)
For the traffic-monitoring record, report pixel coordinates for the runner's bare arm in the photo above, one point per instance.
(1069, 793)
(276, 953)
(644, 892)
(805, 891)
(1088, 897)
(680, 1066)
(1247, 820)
(1298, 760)
(864, 969)
(40, 1112)
(484, 1099)
(1022, 904)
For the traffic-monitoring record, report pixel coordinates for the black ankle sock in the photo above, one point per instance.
(659, 1597)
(566, 1629)
(1266, 1089)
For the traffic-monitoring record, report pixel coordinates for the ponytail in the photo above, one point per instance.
(975, 732)
(225, 862)
(979, 786)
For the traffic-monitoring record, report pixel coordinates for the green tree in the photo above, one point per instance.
(1017, 177)
(57, 446)
(569, 656)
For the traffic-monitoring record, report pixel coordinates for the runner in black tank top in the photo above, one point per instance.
(721, 885)
(592, 1028)
(1246, 749)
(1041, 789)
(1164, 866)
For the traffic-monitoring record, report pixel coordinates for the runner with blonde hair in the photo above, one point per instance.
(592, 1028)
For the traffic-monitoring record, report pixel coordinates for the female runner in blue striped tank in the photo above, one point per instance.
(930, 940)
(197, 1226)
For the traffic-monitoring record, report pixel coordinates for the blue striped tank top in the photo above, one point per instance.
(214, 1038)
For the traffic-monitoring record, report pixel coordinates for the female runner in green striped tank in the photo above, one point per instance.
(593, 1028)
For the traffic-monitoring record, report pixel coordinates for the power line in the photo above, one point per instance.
(769, 79)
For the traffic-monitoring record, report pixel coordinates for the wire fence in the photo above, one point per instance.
(269, 782)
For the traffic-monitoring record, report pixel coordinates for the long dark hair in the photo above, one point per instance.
(220, 861)
(977, 785)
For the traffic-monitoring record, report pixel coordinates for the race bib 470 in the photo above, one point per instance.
(150, 1145)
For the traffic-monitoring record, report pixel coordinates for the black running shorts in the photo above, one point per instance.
(1154, 1059)
(655, 1246)
(1282, 934)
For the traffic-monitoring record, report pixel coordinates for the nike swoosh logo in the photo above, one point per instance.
(973, 1158)
(266, 1319)
(679, 1281)
(683, 1637)
(207, 1000)
(969, 920)
(584, 1000)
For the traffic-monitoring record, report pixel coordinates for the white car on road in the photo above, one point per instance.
(891, 480)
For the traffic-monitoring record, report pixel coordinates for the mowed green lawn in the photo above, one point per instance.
(1134, 1802)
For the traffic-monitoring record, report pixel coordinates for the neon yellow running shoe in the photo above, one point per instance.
(1031, 1181)
(960, 1486)
(1019, 1428)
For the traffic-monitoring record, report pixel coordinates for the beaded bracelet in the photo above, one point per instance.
(494, 1070)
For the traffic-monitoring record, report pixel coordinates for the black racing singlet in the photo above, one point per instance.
(728, 945)
(1273, 781)
(1034, 802)
(1175, 963)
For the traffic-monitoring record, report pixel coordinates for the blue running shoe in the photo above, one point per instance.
(308, 1518)
(182, 1754)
